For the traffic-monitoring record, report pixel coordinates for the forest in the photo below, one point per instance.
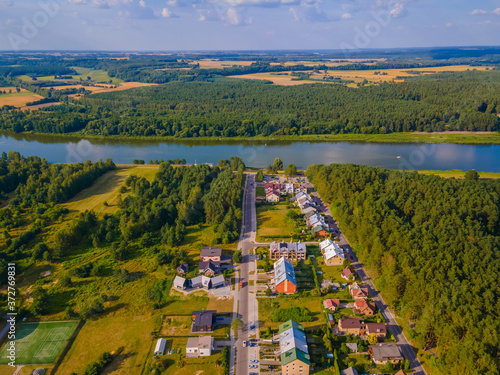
(35, 228)
(229, 108)
(431, 244)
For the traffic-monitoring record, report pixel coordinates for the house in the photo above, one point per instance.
(315, 219)
(378, 329)
(218, 281)
(302, 197)
(200, 346)
(182, 269)
(350, 370)
(350, 326)
(363, 307)
(333, 254)
(197, 282)
(308, 212)
(385, 352)
(180, 283)
(211, 253)
(203, 320)
(272, 196)
(331, 304)
(289, 188)
(294, 251)
(330, 319)
(209, 268)
(272, 186)
(358, 293)
(320, 231)
(353, 347)
(160, 347)
(400, 372)
(295, 357)
(284, 276)
(348, 274)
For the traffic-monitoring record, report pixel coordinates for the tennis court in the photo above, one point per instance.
(39, 343)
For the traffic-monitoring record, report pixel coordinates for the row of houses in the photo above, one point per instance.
(294, 251)
(295, 357)
(319, 228)
(199, 282)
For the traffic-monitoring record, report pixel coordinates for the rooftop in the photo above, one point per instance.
(211, 251)
(204, 317)
(293, 355)
(283, 270)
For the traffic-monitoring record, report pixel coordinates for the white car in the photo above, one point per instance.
(244, 344)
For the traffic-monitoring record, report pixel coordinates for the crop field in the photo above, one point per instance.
(39, 343)
(17, 99)
(83, 73)
(103, 88)
(392, 75)
(107, 189)
(219, 64)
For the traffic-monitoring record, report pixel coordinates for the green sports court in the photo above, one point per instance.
(39, 343)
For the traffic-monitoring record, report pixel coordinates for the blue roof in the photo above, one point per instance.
(283, 269)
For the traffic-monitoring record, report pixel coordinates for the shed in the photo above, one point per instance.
(160, 346)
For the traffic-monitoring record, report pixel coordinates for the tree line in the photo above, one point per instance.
(432, 246)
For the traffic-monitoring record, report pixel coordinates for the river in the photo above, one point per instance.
(409, 156)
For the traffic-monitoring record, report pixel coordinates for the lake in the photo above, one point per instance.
(441, 156)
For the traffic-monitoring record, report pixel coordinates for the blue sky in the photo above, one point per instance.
(245, 24)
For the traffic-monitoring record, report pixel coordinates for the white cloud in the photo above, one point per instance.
(476, 12)
(449, 24)
(236, 17)
(496, 12)
(346, 16)
(77, 2)
(235, 3)
(167, 13)
(142, 3)
(398, 10)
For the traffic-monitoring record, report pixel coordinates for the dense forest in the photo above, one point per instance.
(432, 245)
(229, 108)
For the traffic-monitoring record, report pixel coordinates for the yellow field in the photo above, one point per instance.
(282, 80)
(392, 74)
(285, 79)
(218, 64)
(17, 99)
(25, 370)
(106, 189)
(103, 87)
(456, 173)
(107, 335)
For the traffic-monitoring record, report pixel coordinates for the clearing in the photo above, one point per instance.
(107, 189)
(39, 343)
(457, 173)
(94, 89)
(272, 222)
(107, 335)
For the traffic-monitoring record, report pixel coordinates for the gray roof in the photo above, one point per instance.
(211, 251)
(349, 371)
(204, 317)
(385, 351)
(196, 281)
(293, 338)
(218, 280)
(179, 282)
(283, 269)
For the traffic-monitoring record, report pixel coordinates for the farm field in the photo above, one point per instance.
(17, 99)
(285, 79)
(271, 221)
(103, 88)
(107, 335)
(39, 343)
(83, 73)
(25, 370)
(107, 189)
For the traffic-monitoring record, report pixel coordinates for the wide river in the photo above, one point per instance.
(442, 156)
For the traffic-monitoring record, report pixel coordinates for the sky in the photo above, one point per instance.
(173, 25)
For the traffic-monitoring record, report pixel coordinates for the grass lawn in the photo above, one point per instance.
(178, 364)
(25, 370)
(271, 221)
(107, 189)
(39, 343)
(96, 75)
(107, 335)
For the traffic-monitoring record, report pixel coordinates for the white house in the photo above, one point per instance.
(201, 346)
(160, 347)
(289, 188)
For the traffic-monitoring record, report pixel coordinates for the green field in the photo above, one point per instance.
(271, 221)
(83, 73)
(457, 173)
(39, 343)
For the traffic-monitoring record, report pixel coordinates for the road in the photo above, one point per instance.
(406, 348)
(245, 297)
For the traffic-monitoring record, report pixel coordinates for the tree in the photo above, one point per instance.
(269, 292)
(237, 257)
(291, 170)
(372, 339)
(236, 324)
(472, 175)
(259, 177)
(278, 164)
(40, 299)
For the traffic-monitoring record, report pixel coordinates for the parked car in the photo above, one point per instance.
(244, 344)
(252, 327)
